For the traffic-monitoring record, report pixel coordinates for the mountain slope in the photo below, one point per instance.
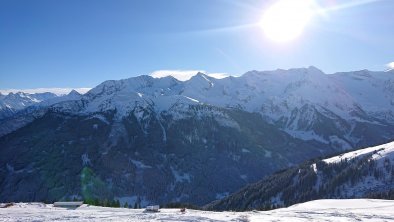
(363, 173)
(198, 158)
(151, 140)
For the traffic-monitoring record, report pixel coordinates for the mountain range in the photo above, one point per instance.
(160, 140)
(11, 103)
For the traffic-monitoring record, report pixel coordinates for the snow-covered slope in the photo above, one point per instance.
(319, 210)
(379, 154)
(363, 173)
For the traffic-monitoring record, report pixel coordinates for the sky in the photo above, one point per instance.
(81, 43)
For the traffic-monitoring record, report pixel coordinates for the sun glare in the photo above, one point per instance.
(286, 19)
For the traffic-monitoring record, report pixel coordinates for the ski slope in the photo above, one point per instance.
(319, 210)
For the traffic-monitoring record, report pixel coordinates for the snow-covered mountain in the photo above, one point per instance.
(340, 109)
(13, 102)
(19, 109)
(191, 141)
(296, 100)
(364, 173)
(275, 94)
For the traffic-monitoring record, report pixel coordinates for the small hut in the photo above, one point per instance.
(153, 208)
(70, 205)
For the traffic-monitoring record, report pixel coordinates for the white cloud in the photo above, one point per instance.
(184, 75)
(218, 75)
(57, 91)
(390, 66)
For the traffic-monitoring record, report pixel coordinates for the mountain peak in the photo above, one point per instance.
(311, 70)
(17, 94)
(200, 73)
(314, 69)
(201, 80)
(202, 76)
(74, 93)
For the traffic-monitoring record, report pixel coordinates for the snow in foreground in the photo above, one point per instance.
(319, 210)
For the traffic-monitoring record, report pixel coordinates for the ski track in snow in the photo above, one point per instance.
(319, 210)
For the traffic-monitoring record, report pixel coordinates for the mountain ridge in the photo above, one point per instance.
(280, 96)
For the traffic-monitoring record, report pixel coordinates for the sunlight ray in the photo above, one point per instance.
(347, 5)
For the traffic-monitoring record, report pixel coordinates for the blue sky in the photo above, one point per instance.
(80, 43)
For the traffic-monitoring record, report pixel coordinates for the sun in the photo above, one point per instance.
(286, 19)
